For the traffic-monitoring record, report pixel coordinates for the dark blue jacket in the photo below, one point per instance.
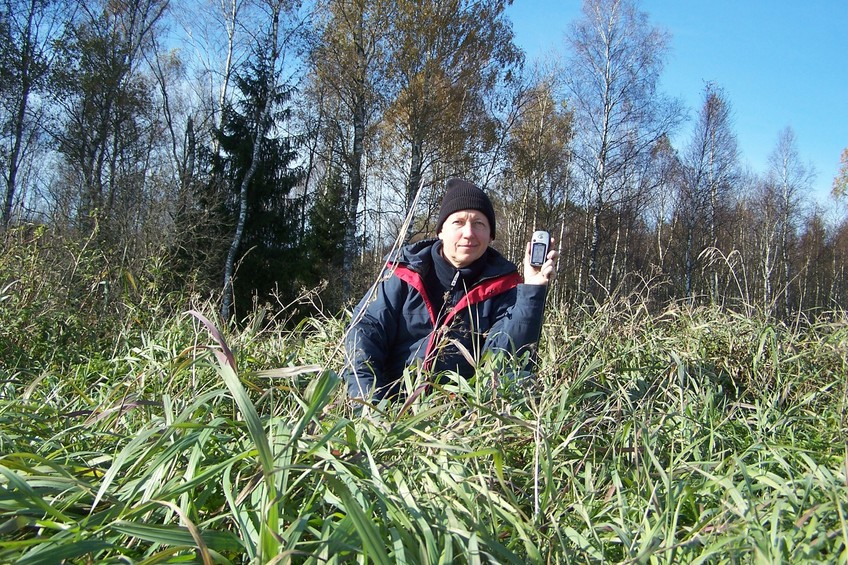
(394, 326)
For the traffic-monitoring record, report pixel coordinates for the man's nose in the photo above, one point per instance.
(467, 230)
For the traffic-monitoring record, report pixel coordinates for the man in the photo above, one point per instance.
(438, 293)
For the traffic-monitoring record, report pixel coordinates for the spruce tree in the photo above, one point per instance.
(270, 262)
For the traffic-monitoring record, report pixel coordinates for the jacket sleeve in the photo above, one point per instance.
(370, 336)
(518, 320)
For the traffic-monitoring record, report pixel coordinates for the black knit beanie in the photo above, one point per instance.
(463, 195)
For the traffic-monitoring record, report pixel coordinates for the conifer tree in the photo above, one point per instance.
(324, 244)
(269, 254)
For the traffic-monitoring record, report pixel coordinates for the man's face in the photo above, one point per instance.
(465, 237)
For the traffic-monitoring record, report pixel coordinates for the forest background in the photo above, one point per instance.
(255, 151)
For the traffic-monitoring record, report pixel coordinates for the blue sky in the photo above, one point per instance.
(780, 63)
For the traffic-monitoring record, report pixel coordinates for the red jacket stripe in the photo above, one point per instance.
(487, 289)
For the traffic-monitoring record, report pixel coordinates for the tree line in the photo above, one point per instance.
(263, 148)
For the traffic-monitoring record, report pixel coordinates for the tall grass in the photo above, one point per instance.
(691, 435)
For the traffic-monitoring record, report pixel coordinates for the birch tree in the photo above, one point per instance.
(839, 188)
(710, 164)
(611, 76)
(270, 49)
(667, 171)
(349, 61)
(27, 30)
(216, 39)
(447, 56)
(108, 125)
(791, 180)
(536, 191)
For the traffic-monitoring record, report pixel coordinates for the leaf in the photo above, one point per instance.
(227, 368)
(53, 552)
(372, 540)
(216, 335)
(175, 535)
(289, 372)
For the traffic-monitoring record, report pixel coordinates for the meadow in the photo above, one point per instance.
(678, 434)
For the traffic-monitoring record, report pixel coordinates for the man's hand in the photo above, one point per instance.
(540, 275)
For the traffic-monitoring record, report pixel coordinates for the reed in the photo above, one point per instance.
(689, 435)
